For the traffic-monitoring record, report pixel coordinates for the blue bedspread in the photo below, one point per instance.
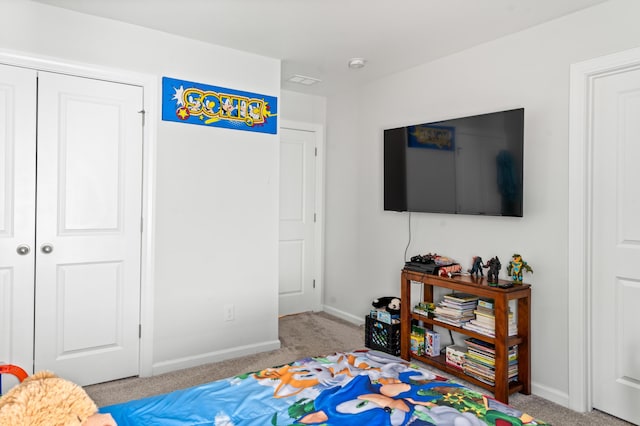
(354, 388)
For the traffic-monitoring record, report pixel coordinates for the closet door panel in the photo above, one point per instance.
(90, 281)
(89, 186)
(17, 215)
(88, 239)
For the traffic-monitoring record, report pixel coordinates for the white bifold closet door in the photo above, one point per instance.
(17, 217)
(80, 195)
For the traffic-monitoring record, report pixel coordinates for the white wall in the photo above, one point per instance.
(365, 245)
(303, 108)
(345, 294)
(216, 189)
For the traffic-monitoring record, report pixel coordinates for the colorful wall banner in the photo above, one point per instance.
(197, 103)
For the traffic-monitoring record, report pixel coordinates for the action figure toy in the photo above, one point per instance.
(516, 267)
(494, 266)
(476, 268)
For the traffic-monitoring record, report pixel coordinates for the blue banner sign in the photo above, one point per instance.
(197, 103)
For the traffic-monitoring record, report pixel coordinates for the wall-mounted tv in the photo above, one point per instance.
(469, 165)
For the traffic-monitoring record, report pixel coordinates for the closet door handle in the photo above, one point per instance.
(46, 248)
(23, 249)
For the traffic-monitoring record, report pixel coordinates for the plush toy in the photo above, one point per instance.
(45, 399)
(390, 304)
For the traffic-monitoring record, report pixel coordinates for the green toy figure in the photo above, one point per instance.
(516, 267)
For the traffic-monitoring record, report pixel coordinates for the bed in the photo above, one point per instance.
(347, 388)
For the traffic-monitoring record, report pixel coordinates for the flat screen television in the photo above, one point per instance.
(470, 165)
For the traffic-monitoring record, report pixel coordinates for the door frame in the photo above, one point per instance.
(580, 218)
(149, 84)
(318, 262)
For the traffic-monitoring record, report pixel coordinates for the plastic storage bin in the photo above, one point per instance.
(381, 336)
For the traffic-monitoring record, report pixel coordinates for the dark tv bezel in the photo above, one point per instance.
(394, 178)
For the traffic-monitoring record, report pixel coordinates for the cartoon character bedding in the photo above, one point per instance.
(353, 388)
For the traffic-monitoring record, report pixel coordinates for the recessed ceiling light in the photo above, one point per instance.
(303, 79)
(357, 63)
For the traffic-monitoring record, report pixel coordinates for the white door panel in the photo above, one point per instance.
(297, 226)
(17, 215)
(616, 244)
(88, 213)
(292, 267)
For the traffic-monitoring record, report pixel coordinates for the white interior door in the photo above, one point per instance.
(17, 216)
(297, 223)
(89, 183)
(616, 244)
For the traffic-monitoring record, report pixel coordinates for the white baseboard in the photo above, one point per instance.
(194, 361)
(343, 315)
(550, 394)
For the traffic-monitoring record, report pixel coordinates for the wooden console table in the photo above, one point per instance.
(502, 341)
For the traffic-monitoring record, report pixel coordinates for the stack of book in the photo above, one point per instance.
(484, 321)
(480, 361)
(456, 309)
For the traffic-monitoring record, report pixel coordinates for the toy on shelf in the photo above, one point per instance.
(476, 268)
(516, 267)
(494, 266)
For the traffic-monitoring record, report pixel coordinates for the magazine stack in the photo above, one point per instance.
(480, 361)
(456, 309)
(484, 321)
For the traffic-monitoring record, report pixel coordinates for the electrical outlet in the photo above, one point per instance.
(228, 312)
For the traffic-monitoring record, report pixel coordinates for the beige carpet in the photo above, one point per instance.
(306, 335)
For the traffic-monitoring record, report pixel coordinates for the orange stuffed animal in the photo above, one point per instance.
(45, 399)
